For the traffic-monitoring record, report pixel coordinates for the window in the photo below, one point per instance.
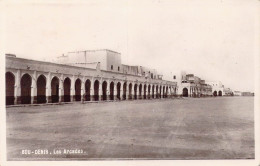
(118, 68)
(111, 67)
(152, 75)
(174, 77)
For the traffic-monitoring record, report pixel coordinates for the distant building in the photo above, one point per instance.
(247, 94)
(109, 61)
(237, 93)
(190, 85)
(217, 88)
(228, 92)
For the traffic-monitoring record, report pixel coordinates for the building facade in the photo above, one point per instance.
(228, 92)
(193, 86)
(88, 77)
(217, 88)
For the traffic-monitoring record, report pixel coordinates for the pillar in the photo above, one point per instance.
(48, 88)
(100, 95)
(92, 97)
(72, 89)
(83, 89)
(108, 90)
(121, 90)
(127, 91)
(17, 88)
(34, 89)
(115, 90)
(61, 89)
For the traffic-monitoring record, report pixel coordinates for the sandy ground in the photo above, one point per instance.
(191, 128)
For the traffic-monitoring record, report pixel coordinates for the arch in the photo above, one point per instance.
(130, 90)
(124, 91)
(96, 89)
(67, 85)
(78, 90)
(215, 93)
(157, 89)
(118, 86)
(87, 90)
(140, 91)
(26, 82)
(112, 90)
(104, 90)
(185, 92)
(135, 91)
(55, 90)
(160, 91)
(220, 93)
(149, 89)
(163, 92)
(144, 91)
(41, 89)
(9, 88)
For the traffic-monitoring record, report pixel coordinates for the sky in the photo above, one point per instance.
(212, 39)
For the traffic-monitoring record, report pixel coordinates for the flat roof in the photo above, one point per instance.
(94, 51)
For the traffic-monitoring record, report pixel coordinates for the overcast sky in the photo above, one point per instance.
(213, 39)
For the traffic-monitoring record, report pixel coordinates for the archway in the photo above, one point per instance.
(160, 93)
(26, 83)
(41, 89)
(124, 91)
(130, 91)
(140, 91)
(104, 90)
(87, 90)
(118, 86)
(157, 89)
(163, 91)
(55, 90)
(166, 93)
(215, 93)
(144, 91)
(112, 91)
(149, 89)
(78, 90)
(185, 92)
(220, 93)
(135, 91)
(153, 91)
(66, 86)
(96, 89)
(9, 85)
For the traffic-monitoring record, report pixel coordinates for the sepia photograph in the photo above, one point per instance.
(121, 80)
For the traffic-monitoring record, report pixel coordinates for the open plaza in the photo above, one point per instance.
(185, 128)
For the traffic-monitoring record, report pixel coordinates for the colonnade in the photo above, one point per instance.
(193, 91)
(41, 87)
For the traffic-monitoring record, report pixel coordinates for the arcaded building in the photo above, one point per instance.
(90, 75)
(193, 86)
(217, 88)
